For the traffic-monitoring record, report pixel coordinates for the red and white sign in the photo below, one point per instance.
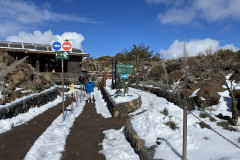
(67, 46)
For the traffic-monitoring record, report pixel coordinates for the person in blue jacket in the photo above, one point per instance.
(89, 86)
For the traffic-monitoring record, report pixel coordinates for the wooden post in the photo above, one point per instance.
(76, 96)
(184, 152)
(4, 93)
(99, 85)
(72, 103)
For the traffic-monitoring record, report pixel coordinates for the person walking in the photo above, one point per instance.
(89, 86)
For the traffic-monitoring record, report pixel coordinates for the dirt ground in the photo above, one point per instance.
(86, 134)
(82, 142)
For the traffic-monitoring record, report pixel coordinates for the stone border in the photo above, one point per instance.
(120, 109)
(168, 95)
(138, 144)
(30, 102)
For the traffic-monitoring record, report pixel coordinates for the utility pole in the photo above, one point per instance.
(63, 89)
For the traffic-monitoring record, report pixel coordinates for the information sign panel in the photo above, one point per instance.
(62, 54)
(125, 68)
(124, 76)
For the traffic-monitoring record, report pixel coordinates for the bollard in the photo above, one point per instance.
(99, 85)
(76, 97)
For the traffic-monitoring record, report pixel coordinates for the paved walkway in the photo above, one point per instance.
(15, 143)
(86, 134)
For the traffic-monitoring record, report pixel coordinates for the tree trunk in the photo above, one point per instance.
(238, 104)
(234, 119)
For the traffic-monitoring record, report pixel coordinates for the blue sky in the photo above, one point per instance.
(106, 27)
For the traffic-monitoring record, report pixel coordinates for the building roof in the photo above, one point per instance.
(31, 48)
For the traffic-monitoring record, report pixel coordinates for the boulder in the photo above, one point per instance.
(207, 97)
(11, 86)
(176, 75)
(17, 78)
(191, 78)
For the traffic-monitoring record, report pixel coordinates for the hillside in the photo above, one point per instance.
(204, 72)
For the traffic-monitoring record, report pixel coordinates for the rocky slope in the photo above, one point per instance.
(205, 72)
(20, 80)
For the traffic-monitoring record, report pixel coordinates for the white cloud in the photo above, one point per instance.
(230, 46)
(181, 16)
(27, 12)
(8, 28)
(47, 38)
(74, 37)
(166, 2)
(215, 10)
(194, 47)
(19, 15)
(209, 10)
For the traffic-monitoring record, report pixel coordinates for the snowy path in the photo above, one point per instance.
(87, 134)
(51, 143)
(7, 124)
(39, 143)
(21, 138)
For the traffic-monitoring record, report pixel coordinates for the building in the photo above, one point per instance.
(42, 58)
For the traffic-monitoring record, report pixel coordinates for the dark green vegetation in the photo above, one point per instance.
(225, 125)
(164, 112)
(171, 124)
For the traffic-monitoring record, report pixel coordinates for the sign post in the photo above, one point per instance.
(63, 89)
(62, 52)
(124, 76)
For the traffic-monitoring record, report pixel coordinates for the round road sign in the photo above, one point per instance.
(56, 46)
(67, 46)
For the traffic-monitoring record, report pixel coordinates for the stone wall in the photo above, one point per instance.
(30, 102)
(120, 109)
(167, 95)
(138, 144)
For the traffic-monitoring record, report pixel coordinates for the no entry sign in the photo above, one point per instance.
(67, 46)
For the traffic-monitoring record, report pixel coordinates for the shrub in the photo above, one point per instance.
(205, 137)
(172, 67)
(226, 126)
(170, 81)
(156, 79)
(164, 111)
(192, 101)
(172, 125)
(39, 86)
(238, 140)
(157, 71)
(204, 115)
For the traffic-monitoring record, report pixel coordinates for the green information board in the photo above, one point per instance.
(125, 68)
(62, 54)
